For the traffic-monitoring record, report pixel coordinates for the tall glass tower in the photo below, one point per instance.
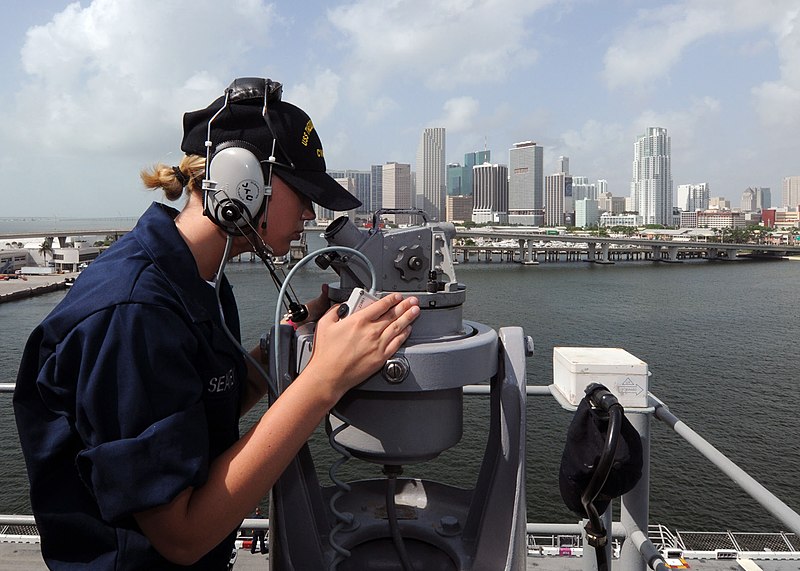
(651, 185)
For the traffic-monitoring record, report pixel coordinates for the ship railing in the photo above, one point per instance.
(641, 551)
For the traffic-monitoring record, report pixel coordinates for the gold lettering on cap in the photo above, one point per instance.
(306, 132)
(320, 153)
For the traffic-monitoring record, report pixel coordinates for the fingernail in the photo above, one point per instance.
(414, 310)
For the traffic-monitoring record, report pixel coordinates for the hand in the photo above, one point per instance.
(347, 351)
(318, 306)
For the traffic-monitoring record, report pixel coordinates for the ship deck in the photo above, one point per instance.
(26, 557)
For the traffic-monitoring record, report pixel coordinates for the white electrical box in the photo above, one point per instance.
(575, 368)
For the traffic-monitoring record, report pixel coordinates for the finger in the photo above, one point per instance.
(377, 309)
(394, 344)
(399, 328)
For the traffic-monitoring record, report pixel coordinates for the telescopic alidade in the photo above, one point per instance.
(409, 412)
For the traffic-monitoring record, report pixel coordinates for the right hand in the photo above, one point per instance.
(348, 350)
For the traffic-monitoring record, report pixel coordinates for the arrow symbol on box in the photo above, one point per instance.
(628, 387)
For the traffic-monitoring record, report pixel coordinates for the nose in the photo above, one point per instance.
(308, 210)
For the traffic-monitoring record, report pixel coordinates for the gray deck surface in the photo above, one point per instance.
(26, 557)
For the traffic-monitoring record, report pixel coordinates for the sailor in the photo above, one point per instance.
(129, 393)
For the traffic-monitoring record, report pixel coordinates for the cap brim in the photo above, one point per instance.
(320, 187)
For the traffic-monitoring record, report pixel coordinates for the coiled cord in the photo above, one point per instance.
(344, 519)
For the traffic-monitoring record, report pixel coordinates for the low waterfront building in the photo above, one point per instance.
(73, 259)
(632, 220)
(785, 218)
(720, 219)
(15, 259)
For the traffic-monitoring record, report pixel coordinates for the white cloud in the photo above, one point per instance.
(778, 102)
(459, 114)
(438, 44)
(319, 97)
(685, 127)
(654, 42)
(111, 75)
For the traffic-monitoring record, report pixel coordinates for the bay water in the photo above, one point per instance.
(720, 339)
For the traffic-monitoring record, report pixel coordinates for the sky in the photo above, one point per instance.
(94, 91)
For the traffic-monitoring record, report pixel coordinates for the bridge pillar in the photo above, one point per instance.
(673, 254)
(590, 255)
(656, 252)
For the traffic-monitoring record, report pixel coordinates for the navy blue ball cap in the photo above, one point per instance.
(586, 438)
(300, 160)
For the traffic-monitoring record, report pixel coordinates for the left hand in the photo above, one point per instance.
(318, 306)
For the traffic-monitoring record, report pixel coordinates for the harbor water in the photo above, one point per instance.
(720, 340)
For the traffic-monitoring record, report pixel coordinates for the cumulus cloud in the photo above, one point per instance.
(109, 75)
(778, 101)
(459, 114)
(439, 44)
(319, 96)
(654, 42)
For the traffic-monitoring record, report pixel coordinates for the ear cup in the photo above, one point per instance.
(235, 187)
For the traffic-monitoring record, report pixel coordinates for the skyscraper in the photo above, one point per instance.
(396, 186)
(791, 192)
(470, 160)
(431, 173)
(651, 185)
(525, 184)
(693, 197)
(558, 199)
(455, 178)
(361, 187)
(376, 189)
(490, 197)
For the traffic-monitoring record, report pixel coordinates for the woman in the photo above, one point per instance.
(129, 393)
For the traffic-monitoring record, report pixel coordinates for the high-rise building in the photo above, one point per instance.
(693, 197)
(360, 186)
(326, 214)
(791, 192)
(587, 213)
(431, 173)
(490, 196)
(470, 160)
(376, 188)
(749, 200)
(563, 164)
(582, 188)
(558, 204)
(763, 198)
(525, 184)
(455, 178)
(459, 208)
(651, 185)
(396, 187)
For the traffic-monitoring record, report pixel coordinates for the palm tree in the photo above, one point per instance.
(46, 248)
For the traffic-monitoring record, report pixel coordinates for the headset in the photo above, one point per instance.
(236, 190)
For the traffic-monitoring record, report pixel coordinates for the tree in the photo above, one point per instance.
(46, 248)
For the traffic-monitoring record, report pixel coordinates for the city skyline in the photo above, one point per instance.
(94, 92)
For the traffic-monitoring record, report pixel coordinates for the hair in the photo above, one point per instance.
(162, 176)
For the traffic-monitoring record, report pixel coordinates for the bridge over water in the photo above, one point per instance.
(529, 247)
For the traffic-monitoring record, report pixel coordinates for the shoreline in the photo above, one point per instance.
(18, 289)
